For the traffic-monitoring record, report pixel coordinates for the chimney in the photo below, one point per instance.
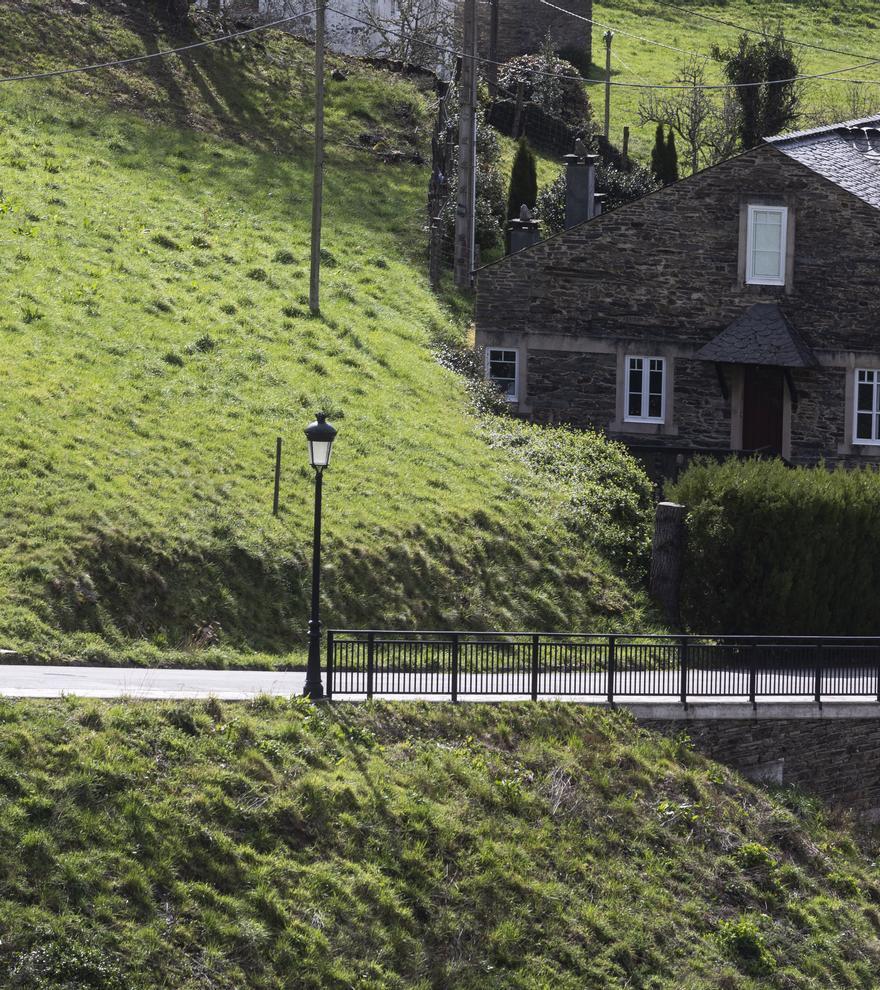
(523, 232)
(580, 186)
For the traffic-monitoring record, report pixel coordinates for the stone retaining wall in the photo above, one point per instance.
(837, 760)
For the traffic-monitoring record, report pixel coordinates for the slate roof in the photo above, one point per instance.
(847, 153)
(760, 335)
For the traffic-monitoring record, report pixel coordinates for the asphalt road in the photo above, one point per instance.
(32, 681)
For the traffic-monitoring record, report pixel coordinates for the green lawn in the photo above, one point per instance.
(852, 25)
(409, 847)
(155, 339)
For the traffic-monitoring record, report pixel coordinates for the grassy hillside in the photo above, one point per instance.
(155, 339)
(850, 25)
(282, 845)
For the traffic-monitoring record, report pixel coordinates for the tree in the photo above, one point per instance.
(671, 159)
(411, 31)
(704, 126)
(853, 101)
(523, 180)
(771, 106)
(658, 153)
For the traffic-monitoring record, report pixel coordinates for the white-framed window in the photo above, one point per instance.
(502, 367)
(645, 390)
(866, 415)
(765, 245)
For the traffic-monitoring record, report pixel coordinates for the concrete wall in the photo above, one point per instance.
(666, 273)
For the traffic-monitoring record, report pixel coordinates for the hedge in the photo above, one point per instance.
(779, 550)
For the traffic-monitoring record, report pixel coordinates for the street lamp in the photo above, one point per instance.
(320, 436)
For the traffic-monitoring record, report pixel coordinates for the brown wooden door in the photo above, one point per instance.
(762, 408)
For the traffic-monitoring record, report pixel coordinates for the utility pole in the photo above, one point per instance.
(492, 67)
(467, 153)
(608, 36)
(318, 171)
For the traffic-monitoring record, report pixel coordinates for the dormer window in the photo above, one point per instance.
(766, 245)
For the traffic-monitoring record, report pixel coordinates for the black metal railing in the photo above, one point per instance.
(370, 662)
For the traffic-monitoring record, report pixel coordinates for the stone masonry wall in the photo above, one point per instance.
(568, 387)
(667, 266)
(702, 413)
(817, 424)
(835, 759)
(523, 25)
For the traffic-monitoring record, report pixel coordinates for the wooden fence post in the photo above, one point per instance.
(667, 550)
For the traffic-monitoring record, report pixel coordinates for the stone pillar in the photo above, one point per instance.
(580, 188)
(667, 551)
(523, 232)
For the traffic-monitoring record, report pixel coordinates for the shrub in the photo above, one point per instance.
(777, 550)
(744, 941)
(609, 499)
(523, 180)
(619, 187)
(491, 204)
(551, 83)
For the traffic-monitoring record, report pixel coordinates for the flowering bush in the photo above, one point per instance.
(551, 83)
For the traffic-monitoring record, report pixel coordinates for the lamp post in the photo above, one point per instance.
(320, 436)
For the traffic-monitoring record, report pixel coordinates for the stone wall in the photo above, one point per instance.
(572, 387)
(818, 421)
(523, 25)
(835, 759)
(702, 412)
(667, 266)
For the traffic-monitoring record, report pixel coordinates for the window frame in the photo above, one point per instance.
(646, 385)
(751, 277)
(514, 397)
(875, 412)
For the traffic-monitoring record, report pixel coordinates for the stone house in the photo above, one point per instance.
(736, 310)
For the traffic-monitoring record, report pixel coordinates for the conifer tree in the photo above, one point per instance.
(658, 155)
(523, 180)
(671, 163)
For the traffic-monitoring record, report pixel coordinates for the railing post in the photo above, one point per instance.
(817, 681)
(683, 668)
(878, 678)
(753, 671)
(370, 663)
(536, 649)
(330, 659)
(612, 641)
(455, 666)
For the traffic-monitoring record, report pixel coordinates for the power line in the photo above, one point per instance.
(628, 67)
(830, 74)
(26, 77)
(628, 34)
(748, 30)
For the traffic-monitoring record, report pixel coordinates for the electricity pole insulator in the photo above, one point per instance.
(465, 208)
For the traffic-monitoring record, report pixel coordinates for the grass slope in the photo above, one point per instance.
(850, 25)
(377, 846)
(154, 340)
